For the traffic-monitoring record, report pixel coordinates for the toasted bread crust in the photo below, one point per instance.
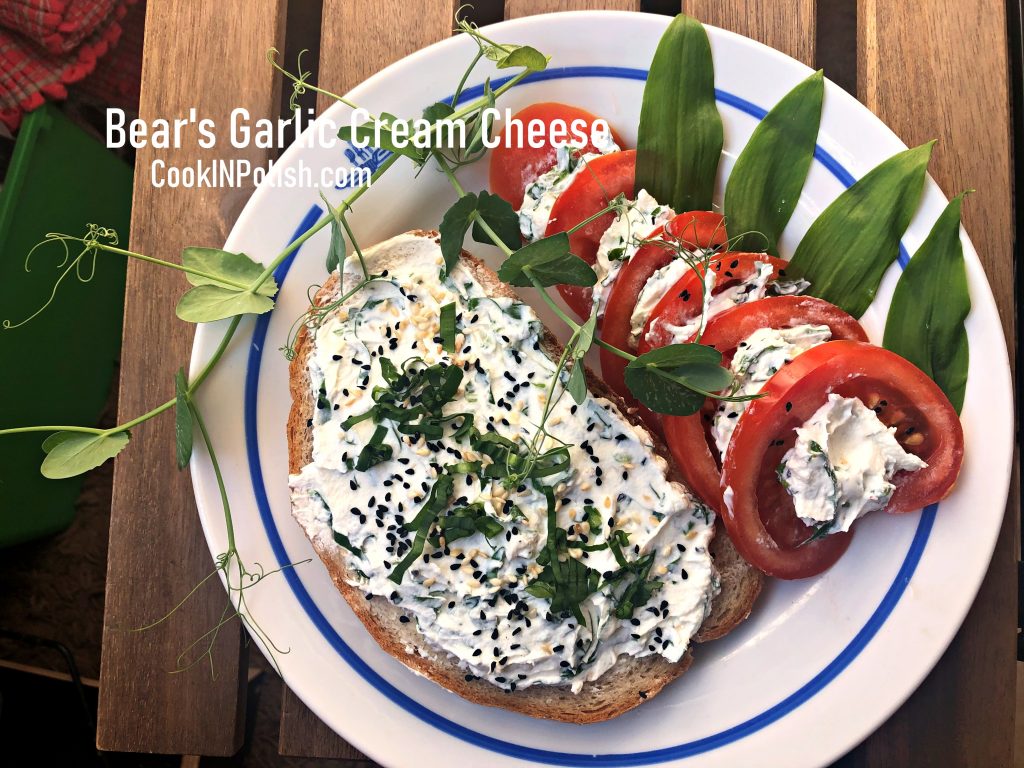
(625, 686)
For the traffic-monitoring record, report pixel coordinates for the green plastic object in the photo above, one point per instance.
(58, 368)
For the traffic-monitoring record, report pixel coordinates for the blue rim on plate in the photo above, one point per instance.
(687, 749)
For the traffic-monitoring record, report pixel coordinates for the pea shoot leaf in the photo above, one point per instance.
(576, 386)
(926, 318)
(585, 340)
(675, 379)
(182, 420)
(453, 229)
(381, 136)
(500, 216)
(510, 56)
(471, 208)
(224, 269)
(73, 453)
(222, 290)
(336, 250)
(438, 111)
(549, 262)
(206, 303)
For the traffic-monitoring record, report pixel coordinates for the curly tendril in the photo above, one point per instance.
(83, 264)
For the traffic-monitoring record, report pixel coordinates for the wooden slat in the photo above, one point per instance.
(939, 70)
(517, 8)
(196, 55)
(787, 25)
(303, 734)
(358, 39)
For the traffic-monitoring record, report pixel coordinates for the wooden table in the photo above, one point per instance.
(932, 68)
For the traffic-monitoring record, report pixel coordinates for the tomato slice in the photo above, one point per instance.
(689, 437)
(593, 188)
(515, 164)
(699, 229)
(694, 229)
(760, 516)
(684, 301)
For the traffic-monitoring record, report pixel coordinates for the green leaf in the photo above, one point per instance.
(229, 270)
(926, 318)
(576, 386)
(853, 242)
(336, 250)
(549, 262)
(448, 329)
(453, 229)
(343, 541)
(52, 441)
(383, 139)
(540, 589)
(585, 339)
(679, 142)
(674, 379)
(439, 110)
(509, 56)
(206, 303)
(769, 174)
(73, 453)
(182, 420)
(501, 217)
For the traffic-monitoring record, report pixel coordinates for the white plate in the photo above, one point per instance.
(819, 664)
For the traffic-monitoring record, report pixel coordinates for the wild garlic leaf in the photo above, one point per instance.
(207, 303)
(926, 318)
(500, 217)
(549, 262)
(182, 420)
(769, 174)
(673, 379)
(856, 239)
(74, 453)
(229, 270)
(453, 229)
(679, 140)
(510, 56)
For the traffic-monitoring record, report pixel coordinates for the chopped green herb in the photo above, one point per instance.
(448, 329)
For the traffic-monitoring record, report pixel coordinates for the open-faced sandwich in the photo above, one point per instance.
(564, 573)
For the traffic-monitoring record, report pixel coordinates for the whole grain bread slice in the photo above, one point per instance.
(629, 683)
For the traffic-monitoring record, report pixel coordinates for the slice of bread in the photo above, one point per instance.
(630, 682)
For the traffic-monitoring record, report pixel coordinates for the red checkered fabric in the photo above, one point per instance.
(45, 45)
(117, 80)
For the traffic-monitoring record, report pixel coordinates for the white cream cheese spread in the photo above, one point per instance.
(541, 195)
(635, 543)
(842, 464)
(653, 292)
(757, 359)
(623, 238)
